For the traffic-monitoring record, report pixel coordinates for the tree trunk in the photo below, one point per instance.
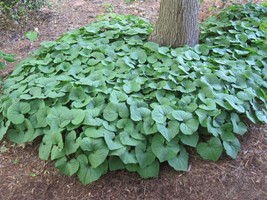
(177, 24)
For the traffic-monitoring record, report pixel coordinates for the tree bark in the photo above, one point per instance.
(177, 24)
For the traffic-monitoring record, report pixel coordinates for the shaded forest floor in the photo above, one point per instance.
(24, 176)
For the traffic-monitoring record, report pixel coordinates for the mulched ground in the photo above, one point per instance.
(24, 176)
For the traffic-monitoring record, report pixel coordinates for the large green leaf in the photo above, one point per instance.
(50, 140)
(41, 116)
(209, 104)
(189, 127)
(77, 116)
(110, 113)
(150, 171)
(181, 115)
(58, 117)
(86, 173)
(128, 157)
(95, 132)
(45, 149)
(115, 163)
(164, 150)
(138, 114)
(117, 96)
(91, 118)
(72, 143)
(67, 167)
(232, 147)
(138, 54)
(180, 162)
(57, 152)
(77, 94)
(149, 126)
(32, 35)
(3, 128)
(15, 112)
(144, 155)
(122, 110)
(127, 139)
(211, 150)
(235, 103)
(190, 55)
(98, 151)
(23, 133)
(202, 49)
(158, 114)
(190, 140)
(238, 126)
(169, 130)
(131, 86)
(113, 142)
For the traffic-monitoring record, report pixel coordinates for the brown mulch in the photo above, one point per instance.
(24, 176)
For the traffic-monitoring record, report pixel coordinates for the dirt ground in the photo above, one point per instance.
(24, 176)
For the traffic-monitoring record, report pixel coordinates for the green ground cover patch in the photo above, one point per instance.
(103, 98)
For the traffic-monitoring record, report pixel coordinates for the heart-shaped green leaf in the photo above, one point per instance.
(180, 162)
(67, 167)
(211, 150)
(190, 140)
(144, 155)
(86, 173)
(170, 130)
(232, 147)
(150, 171)
(164, 150)
(189, 127)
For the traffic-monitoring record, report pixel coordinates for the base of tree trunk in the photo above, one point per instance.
(177, 24)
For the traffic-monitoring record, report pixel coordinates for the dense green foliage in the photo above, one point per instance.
(104, 98)
(4, 57)
(26, 4)
(14, 10)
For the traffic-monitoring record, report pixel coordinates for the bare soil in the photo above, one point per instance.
(24, 176)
